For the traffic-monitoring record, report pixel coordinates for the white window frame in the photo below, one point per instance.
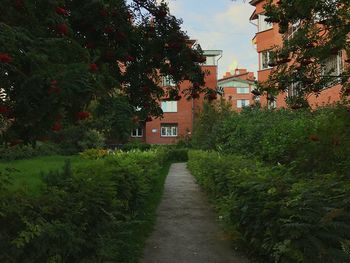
(272, 104)
(137, 132)
(167, 81)
(293, 89)
(168, 130)
(262, 24)
(169, 106)
(263, 65)
(333, 67)
(293, 28)
(243, 90)
(243, 103)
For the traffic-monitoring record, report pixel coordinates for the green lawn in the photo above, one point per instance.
(26, 174)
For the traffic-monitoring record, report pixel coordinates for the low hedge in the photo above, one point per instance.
(95, 213)
(309, 141)
(276, 215)
(19, 152)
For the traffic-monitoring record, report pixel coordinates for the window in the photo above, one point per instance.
(272, 104)
(169, 106)
(263, 25)
(332, 68)
(242, 103)
(138, 132)
(293, 89)
(292, 29)
(167, 81)
(265, 59)
(168, 130)
(242, 90)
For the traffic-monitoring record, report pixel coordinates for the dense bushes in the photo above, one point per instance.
(172, 153)
(76, 138)
(95, 213)
(18, 152)
(278, 215)
(317, 141)
(287, 197)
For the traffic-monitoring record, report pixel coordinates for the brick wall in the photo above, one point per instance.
(184, 116)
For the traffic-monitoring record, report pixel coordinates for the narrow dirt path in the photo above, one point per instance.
(186, 231)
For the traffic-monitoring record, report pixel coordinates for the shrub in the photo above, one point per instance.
(94, 154)
(136, 145)
(18, 152)
(171, 153)
(309, 141)
(85, 215)
(77, 138)
(91, 139)
(208, 124)
(278, 216)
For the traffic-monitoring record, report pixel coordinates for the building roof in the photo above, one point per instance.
(253, 16)
(254, 2)
(237, 78)
(212, 53)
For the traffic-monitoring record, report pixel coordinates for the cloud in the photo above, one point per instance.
(220, 26)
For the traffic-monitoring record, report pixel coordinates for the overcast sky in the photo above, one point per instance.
(220, 24)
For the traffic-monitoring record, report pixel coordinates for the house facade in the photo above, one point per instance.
(178, 118)
(236, 88)
(268, 37)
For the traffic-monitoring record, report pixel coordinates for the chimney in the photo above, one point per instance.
(227, 74)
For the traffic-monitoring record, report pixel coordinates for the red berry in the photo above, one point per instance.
(61, 11)
(82, 115)
(62, 29)
(4, 110)
(93, 67)
(5, 58)
(56, 127)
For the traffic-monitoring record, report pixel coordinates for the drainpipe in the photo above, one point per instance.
(217, 71)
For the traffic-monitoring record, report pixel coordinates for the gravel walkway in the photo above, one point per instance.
(186, 230)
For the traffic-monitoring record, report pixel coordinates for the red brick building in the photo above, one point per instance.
(236, 88)
(266, 38)
(178, 117)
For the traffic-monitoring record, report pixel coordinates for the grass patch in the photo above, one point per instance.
(144, 223)
(26, 174)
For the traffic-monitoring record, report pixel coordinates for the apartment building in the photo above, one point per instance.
(178, 118)
(236, 88)
(266, 38)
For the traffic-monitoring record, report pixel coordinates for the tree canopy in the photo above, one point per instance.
(314, 34)
(58, 57)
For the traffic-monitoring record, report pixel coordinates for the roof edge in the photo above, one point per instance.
(254, 2)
